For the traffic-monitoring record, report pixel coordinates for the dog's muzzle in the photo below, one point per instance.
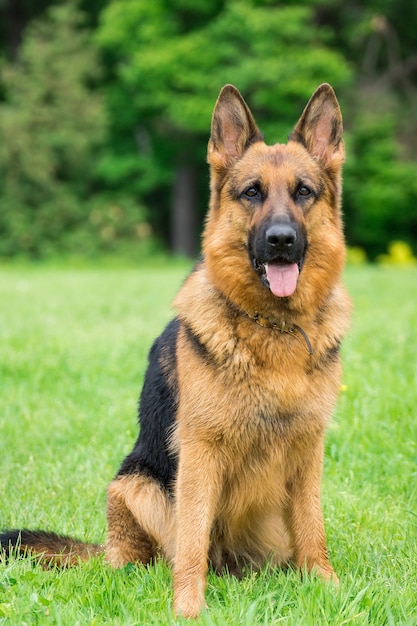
(277, 256)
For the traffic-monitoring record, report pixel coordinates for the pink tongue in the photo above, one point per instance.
(282, 278)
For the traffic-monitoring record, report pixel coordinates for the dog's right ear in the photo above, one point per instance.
(233, 129)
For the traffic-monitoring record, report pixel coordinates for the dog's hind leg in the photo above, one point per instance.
(140, 521)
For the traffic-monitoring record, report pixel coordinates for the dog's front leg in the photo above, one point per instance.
(305, 516)
(197, 490)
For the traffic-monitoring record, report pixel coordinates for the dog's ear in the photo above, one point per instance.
(233, 129)
(320, 127)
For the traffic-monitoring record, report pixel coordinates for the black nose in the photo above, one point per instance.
(281, 236)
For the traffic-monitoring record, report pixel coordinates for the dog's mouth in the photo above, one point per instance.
(279, 276)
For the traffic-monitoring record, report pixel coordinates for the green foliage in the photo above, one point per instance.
(276, 54)
(97, 123)
(72, 358)
(53, 127)
(380, 187)
(50, 125)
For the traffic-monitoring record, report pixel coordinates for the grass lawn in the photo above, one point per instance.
(73, 346)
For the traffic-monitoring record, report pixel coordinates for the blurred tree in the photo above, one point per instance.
(378, 38)
(380, 185)
(51, 125)
(53, 129)
(168, 59)
(75, 168)
(14, 17)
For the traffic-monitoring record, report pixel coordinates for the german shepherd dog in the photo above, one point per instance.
(241, 384)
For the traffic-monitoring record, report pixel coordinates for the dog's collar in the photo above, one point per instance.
(283, 327)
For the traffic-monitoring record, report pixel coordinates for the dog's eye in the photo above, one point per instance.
(252, 192)
(304, 191)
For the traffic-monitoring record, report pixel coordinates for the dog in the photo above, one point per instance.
(240, 386)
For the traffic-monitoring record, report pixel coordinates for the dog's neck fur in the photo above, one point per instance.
(282, 327)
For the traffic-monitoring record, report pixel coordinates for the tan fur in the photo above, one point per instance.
(252, 414)
(137, 509)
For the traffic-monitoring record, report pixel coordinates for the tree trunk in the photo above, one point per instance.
(183, 211)
(15, 20)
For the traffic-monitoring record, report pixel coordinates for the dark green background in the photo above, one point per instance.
(105, 109)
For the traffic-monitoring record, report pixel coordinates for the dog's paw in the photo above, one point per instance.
(189, 600)
(185, 605)
(327, 573)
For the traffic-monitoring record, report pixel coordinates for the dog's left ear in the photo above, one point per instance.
(233, 129)
(320, 127)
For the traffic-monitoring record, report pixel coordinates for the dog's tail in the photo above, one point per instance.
(48, 548)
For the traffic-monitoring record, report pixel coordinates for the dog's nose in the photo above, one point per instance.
(281, 236)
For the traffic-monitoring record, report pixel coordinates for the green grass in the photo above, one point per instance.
(73, 345)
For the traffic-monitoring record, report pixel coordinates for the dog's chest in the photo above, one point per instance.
(259, 390)
(273, 369)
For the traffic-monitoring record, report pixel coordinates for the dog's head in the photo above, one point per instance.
(274, 214)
